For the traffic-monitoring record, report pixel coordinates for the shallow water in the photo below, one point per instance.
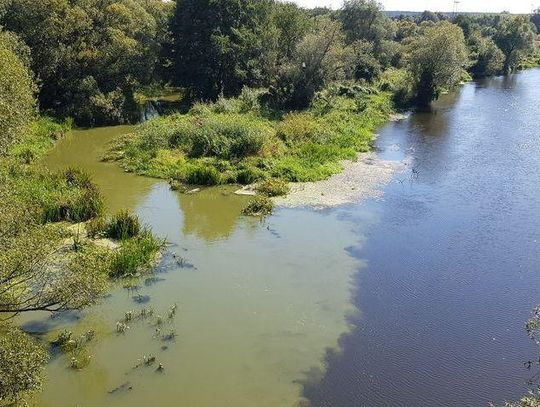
(258, 302)
(418, 299)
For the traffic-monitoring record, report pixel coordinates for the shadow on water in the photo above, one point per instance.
(452, 265)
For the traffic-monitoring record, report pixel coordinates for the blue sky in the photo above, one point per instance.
(514, 6)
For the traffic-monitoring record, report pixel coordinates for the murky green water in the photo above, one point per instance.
(257, 312)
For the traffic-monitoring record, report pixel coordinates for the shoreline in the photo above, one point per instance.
(359, 180)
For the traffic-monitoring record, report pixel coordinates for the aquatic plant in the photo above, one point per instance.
(259, 206)
(121, 327)
(135, 255)
(123, 225)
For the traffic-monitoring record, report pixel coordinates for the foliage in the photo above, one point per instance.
(135, 255)
(514, 36)
(220, 46)
(364, 20)
(273, 187)
(196, 149)
(91, 54)
(21, 364)
(487, 58)
(123, 226)
(437, 59)
(69, 196)
(259, 206)
(17, 104)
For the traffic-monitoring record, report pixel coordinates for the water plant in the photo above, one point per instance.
(123, 225)
(135, 255)
(259, 206)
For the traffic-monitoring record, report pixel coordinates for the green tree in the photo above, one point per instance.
(17, 104)
(514, 36)
(364, 20)
(487, 59)
(87, 52)
(436, 60)
(535, 18)
(320, 57)
(221, 45)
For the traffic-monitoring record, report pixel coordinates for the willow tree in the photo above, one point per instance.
(437, 59)
(515, 37)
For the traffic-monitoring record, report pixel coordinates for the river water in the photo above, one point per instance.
(416, 299)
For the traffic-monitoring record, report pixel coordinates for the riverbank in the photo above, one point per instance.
(46, 264)
(360, 179)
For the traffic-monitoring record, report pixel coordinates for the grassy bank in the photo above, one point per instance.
(235, 141)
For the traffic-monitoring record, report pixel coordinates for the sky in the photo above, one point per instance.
(513, 6)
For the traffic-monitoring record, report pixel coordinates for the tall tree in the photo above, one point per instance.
(220, 45)
(514, 36)
(89, 54)
(437, 60)
(364, 20)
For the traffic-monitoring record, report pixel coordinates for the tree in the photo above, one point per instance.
(221, 45)
(437, 59)
(321, 57)
(21, 364)
(514, 36)
(17, 104)
(487, 59)
(87, 52)
(364, 20)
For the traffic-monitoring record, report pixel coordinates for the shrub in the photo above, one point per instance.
(123, 226)
(202, 174)
(75, 205)
(21, 363)
(249, 175)
(273, 187)
(17, 104)
(299, 127)
(135, 255)
(248, 101)
(259, 206)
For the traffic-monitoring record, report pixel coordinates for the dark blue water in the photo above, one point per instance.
(454, 262)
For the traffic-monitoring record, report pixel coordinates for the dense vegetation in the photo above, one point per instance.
(276, 93)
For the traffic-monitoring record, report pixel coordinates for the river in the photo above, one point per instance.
(416, 299)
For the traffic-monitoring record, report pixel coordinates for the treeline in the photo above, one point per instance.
(88, 57)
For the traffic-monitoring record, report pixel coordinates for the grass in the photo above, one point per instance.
(135, 255)
(259, 206)
(233, 141)
(123, 226)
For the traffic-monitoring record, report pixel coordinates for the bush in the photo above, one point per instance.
(248, 101)
(135, 255)
(202, 174)
(17, 101)
(123, 226)
(299, 127)
(76, 205)
(273, 187)
(21, 363)
(259, 206)
(249, 175)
